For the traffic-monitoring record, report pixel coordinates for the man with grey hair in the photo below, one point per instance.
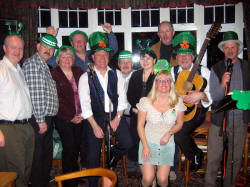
(163, 49)
(222, 79)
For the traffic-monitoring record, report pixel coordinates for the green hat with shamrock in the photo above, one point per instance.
(162, 65)
(184, 43)
(230, 36)
(125, 55)
(78, 32)
(99, 41)
(49, 40)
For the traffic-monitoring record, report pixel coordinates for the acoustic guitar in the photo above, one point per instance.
(189, 80)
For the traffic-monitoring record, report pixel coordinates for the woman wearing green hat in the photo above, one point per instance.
(68, 120)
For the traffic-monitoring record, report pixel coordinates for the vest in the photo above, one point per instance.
(97, 94)
(219, 69)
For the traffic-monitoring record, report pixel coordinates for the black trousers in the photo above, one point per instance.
(70, 135)
(133, 152)
(43, 154)
(123, 144)
(183, 138)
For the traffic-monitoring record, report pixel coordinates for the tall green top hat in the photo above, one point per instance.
(184, 43)
(125, 55)
(230, 36)
(49, 40)
(99, 41)
(78, 32)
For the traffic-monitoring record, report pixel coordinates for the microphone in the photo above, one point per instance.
(229, 66)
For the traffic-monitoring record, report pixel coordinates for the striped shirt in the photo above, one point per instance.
(42, 88)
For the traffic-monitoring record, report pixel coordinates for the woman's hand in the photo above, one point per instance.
(135, 110)
(77, 119)
(146, 154)
(164, 140)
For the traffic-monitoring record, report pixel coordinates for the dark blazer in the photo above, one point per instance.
(65, 92)
(134, 92)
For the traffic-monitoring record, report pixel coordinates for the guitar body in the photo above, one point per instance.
(183, 87)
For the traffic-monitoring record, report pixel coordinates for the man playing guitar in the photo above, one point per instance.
(185, 45)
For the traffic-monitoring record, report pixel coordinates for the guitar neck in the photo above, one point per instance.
(198, 60)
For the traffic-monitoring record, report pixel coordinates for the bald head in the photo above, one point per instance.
(13, 48)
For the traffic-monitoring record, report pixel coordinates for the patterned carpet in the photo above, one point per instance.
(134, 179)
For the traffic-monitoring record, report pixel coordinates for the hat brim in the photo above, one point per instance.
(40, 40)
(220, 45)
(185, 51)
(78, 32)
(105, 49)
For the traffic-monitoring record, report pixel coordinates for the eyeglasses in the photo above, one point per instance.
(163, 81)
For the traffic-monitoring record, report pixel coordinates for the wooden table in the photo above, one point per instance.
(7, 179)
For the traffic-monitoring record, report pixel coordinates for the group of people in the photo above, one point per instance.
(84, 98)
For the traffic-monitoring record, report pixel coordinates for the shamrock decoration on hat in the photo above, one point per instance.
(99, 41)
(49, 40)
(162, 65)
(230, 36)
(125, 55)
(20, 26)
(184, 43)
(78, 32)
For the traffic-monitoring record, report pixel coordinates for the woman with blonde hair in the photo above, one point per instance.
(163, 112)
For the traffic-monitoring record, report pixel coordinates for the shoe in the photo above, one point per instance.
(196, 163)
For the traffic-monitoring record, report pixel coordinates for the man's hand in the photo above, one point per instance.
(225, 79)
(193, 97)
(98, 131)
(2, 139)
(107, 27)
(43, 127)
(51, 30)
(77, 119)
(115, 123)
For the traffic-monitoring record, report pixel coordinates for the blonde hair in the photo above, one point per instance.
(67, 51)
(173, 96)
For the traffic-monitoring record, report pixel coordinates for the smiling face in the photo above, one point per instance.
(163, 83)
(13, 49)
(45, 52)
(185, 60)
(165, 33)
(147, 62)
(125, 65)
(78, 43)
(101, 59)
(66, 60)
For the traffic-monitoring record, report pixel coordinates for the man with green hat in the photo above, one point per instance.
(44, 100)
(78, 40)
(185, 45)
(231, 73)
(103, 99)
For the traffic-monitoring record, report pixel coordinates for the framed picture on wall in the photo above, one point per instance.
(5, 26)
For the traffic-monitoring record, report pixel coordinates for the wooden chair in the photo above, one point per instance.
(7, 179)
(200, 137)
(87, 173)
(124, 164)
(246, 152)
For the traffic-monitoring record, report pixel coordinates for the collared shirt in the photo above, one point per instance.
(15, 103)
(80, 63)
(84, 93)
(205, 73)
(42, 88)
(127, 78)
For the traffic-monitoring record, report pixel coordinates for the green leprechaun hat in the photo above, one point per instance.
(162, 65)
(230, 36)
(99, 41)
(125, 55)
(184, 43)
(49, 40)
(78, 32)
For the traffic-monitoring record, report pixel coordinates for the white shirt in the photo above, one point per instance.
(15, 103)
(205, 73)
(84, 93)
